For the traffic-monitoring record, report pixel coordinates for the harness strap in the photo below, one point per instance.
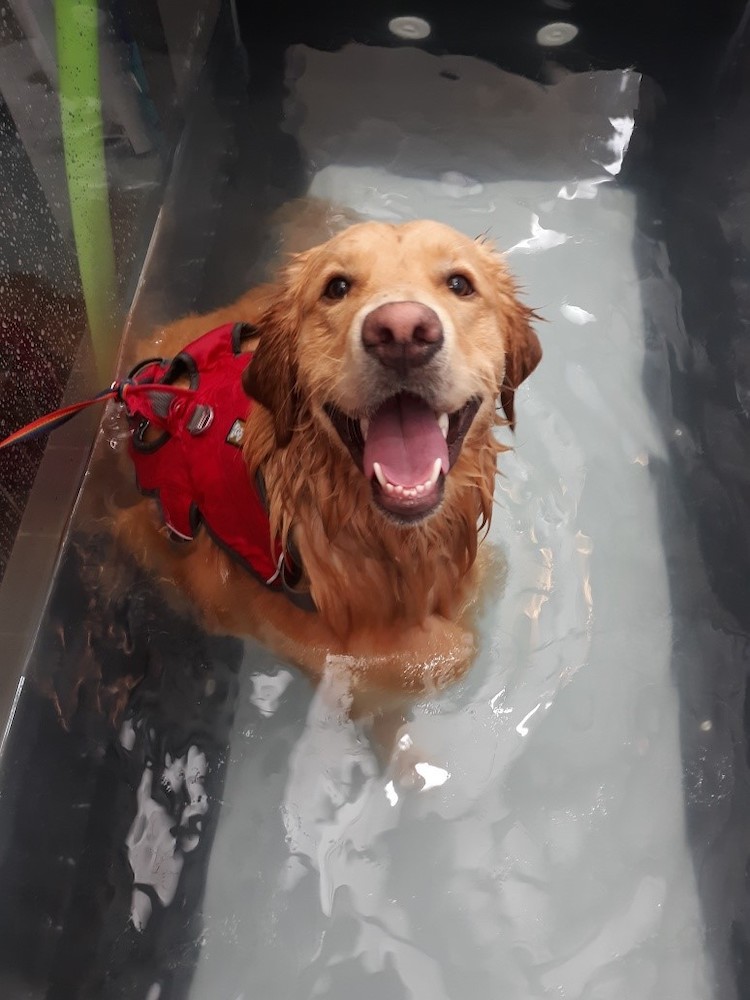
(290, 570)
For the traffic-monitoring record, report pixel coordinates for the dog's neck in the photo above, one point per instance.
(362, 569)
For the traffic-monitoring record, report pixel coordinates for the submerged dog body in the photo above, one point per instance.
(379, 360)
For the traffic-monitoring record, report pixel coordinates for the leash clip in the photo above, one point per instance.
(119, 386)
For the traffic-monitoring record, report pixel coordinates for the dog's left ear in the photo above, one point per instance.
(523, 353)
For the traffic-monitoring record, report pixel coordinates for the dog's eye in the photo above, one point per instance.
(459, 284)
(337, 288)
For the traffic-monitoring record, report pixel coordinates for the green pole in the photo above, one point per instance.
(77, 31)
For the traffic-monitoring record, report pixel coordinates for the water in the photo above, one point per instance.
(549, 858)
(548, 853)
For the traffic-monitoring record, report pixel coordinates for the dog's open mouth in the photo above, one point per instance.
(406, 450)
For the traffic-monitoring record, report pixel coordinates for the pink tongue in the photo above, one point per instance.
(405, 439)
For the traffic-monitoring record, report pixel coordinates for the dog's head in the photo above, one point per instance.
(397, 341)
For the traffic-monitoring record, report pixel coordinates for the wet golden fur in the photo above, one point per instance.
(390, 598)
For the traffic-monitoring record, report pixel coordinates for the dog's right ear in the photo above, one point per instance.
(271, 377)
(523, 354)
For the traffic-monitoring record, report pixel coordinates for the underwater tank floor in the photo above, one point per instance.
(233, 838)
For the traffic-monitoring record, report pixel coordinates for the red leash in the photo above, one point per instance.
(121, 391)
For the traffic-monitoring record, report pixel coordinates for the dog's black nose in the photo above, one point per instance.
(402, 335)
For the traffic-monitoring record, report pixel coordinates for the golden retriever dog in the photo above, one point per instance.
(380, 364)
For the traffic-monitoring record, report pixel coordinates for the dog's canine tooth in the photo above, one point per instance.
(379, 474)
(443, 423)
(364, 426)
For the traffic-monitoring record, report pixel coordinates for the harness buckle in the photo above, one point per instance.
(201, 419)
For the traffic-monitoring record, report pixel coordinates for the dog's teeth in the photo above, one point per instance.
(364, 426)
(380, 475)
(443, 424)
(407, 492)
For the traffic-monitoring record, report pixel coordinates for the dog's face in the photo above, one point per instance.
(395, 339)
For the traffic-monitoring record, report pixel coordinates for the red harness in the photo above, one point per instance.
(195, 469)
